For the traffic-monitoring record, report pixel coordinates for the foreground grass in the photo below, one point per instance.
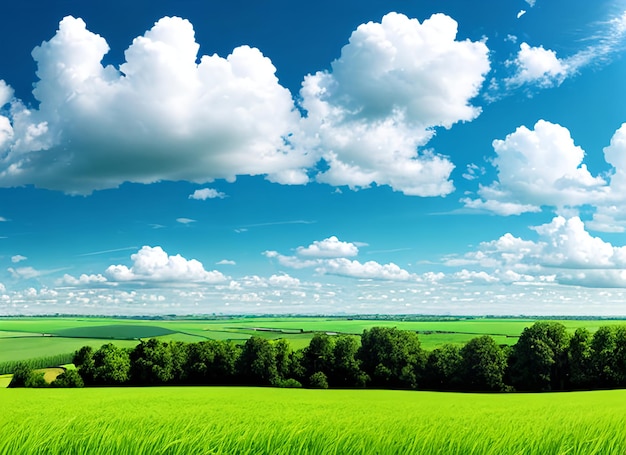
(221, 420)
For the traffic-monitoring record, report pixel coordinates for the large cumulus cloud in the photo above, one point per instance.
(392, 85)
(165, 114)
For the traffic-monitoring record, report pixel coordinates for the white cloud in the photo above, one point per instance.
(565, 253)
(538, 167)
(154, 264)
(368, 270)
(185, 220)
(540, 67)
(393, 83)
(536, 65)
(331, 247)
(3, 219)
(25, 273)
(83, 280)
(207, 193)
(521, 13)
(226, 262)
(161, 116)
(18, 258)
(531, 3)
(284, 280)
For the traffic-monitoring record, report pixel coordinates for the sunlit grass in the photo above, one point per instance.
(219, 420)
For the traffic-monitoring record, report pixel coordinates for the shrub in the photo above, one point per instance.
(318, 380)
(69, 379)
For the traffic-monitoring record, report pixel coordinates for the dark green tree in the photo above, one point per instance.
(25, 376)
(580, 358)
(83, 360)
(318, 380)
(443, 368)
(257, 363)
(319, 355)
(152, 363)
(392, 358)
(538, 360)
(346, 370)
(112, 365)
(483, 365)
(68, 379)
(212, 362)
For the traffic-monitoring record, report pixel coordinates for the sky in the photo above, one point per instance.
(279, 157)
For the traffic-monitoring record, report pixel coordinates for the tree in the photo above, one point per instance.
(257, 363)
(539, 358)
(212, 362)
(318, 380)
(318, 355)
(580, 359)
(483, 365)
(608, 347)
(152, 363)
(392, 358)
(346, 370)
(112, 365)
(443, 368)
(68, 379)
(84, 362)
(25, 376)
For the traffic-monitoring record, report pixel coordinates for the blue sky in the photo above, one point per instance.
(355, 157)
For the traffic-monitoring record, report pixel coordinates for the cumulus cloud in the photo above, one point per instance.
(83, 280)
(394, 82)
(331, 247)
(207, 193)
(521, 13)
(185, 220)
(367, 270)
(542, 166)
(160, 116)
(565, 252)
(167, 113)
(538, 66)
(331, 257)
(152, 264)
(18, 258)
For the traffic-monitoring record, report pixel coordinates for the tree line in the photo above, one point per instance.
(545, 358)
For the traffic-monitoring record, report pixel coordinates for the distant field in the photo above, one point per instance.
(25, 338)
(217, 420)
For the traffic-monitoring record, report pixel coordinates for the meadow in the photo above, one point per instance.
(218, 420)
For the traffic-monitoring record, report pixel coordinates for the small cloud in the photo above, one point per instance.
(185, 220)
(18, 258)
(156, 226)
(24, 273)
(3, 219)
(531, 3)
(207, 193)
(155, 265)
(511, 38)
(226, 262)
(473, 172)
(521, 13)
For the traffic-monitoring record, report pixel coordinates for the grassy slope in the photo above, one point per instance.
(285, 421)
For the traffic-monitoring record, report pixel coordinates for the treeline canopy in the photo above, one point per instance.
(545, 358)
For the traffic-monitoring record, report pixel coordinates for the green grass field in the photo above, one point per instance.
(36, 337)
(215, 420)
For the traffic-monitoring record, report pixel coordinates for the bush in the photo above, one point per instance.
(318, 381)
(68, 379)
(287, 383)
(24, 376)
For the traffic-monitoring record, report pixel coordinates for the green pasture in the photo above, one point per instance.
(217, 420)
